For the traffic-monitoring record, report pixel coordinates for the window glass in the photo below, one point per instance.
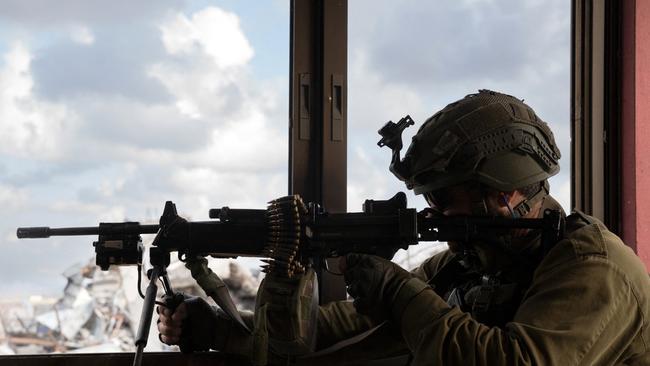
(107, 110)
(414, 58)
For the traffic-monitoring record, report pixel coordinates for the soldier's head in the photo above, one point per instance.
(485, 154)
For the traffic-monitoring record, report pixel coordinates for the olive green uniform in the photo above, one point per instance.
(588, 304)
(584, 301)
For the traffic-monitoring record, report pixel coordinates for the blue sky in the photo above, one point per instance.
(108, 109)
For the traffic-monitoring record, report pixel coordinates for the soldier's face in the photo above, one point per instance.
(451, 201)
(461, 200)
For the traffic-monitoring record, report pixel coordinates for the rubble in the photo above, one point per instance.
(99, 310)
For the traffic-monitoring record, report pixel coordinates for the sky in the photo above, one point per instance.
(108, 109)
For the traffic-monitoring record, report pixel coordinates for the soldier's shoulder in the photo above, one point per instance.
(587, 235)
(587, 238)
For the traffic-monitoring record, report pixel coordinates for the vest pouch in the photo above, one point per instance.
(288, 309)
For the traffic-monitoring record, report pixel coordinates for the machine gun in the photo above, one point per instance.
(293, 236)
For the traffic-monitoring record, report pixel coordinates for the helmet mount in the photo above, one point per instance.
(391, 136)
(488, 137)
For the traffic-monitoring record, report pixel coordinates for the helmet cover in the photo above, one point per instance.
(488, 137)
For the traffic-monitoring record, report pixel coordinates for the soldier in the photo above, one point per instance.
(505, 300)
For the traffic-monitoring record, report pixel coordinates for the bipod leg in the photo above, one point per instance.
(147, 313)
(167, 286)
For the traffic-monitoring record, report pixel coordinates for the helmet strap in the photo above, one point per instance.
(525, 206)
(506, 200)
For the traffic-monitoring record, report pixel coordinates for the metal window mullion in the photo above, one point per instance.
(588, 107)
(613, 87)
(317, 135)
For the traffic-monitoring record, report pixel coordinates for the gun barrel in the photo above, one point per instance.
(46, 232)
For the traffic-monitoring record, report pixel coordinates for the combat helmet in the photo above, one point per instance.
(487, 137)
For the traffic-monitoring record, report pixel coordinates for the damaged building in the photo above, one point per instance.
(99, 311)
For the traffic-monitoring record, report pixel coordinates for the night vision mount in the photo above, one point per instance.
(391, 136)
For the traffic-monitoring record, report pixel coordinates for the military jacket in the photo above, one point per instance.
(588, 303)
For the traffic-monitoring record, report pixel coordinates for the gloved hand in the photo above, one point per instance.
(374, 283)
(194, 325)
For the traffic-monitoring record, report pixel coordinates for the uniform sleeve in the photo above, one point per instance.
(338, 321)
(238, 341)
(577, 312)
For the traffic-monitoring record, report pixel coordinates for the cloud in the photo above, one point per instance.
(210, 80)
(452, 42)
(174, 103)
(450, 49)
(202, 188)
(250, 144)
(45, 13)
(12, 198)
(243, 164)
(146, 102)
(29, 126)
(121, 127)
(103, 212)
(414, 58)
(369, 178)
(369, 87)
(110, 118)
(113, 65)
(208, 74)
(561, 190)
(211, 31)
(82, 35)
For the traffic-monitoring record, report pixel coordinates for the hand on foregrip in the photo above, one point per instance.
(194, 325)
(170, 323)
(373, 282)
(172, 302)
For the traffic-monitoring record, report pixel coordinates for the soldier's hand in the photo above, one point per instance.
(194, 325)
(170, 324)
(373, 282)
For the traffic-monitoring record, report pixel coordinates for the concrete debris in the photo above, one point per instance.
(99, 310)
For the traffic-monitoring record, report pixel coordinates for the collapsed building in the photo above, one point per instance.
(99, 310)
